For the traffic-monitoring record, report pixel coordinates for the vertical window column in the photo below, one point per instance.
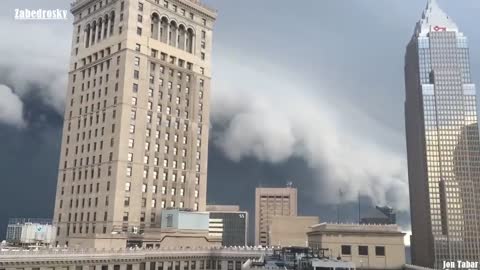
(100, 26)
(87, 36)
(112, 24)
(185, 35)
(168, 33)
(92, 34)
(106, 26)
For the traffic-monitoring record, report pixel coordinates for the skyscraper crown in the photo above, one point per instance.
(434, 19)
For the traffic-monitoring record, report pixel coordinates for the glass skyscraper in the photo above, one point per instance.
(442, 142)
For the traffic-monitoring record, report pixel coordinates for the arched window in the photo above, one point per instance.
(87, 35)
(94, 29)
(172, 36)
(154, 26)
(100, 26)
(105, 26)
(164, 30)
(112, 22)
(182, 35)
(190, 40)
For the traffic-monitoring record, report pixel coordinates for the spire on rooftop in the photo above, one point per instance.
(435, 19)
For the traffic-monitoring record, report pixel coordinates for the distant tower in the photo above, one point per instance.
(442, 143)
(389, 213)
(381, 215)
(271, 202)
(135, 136)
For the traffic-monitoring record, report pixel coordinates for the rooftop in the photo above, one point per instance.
(30, 220)
(199, 5)
(11, 255)
(220, 208)
(356, 228)
(435, 19)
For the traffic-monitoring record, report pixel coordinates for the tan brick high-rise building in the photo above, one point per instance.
(135, 135)
(271, 202)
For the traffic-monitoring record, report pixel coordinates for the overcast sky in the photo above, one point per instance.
(309, 91)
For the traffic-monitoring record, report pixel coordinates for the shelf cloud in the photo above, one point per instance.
(344, 146)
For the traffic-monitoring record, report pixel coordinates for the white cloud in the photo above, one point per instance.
(36, 59)
(11, 108)
(273, 116)
(406, 239)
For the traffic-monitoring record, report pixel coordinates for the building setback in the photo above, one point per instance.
(136, 121)
(271, 202)
(442, 143)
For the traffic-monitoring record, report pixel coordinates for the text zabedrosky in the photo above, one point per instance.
(40, 14)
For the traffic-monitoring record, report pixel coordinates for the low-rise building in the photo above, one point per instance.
(29, 231)
(228, 223)
(181, 228)
(287, 231)
(177, 228)
(130, 259)
(367, 246)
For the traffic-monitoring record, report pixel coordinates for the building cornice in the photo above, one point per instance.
(84, 256)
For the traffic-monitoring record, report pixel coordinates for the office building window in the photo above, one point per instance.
(363, 250)
(346, 250)
(380, 251)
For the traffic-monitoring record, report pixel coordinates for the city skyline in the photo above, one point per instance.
(300, 159)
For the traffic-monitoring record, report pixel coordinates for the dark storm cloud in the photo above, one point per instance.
(29, 161)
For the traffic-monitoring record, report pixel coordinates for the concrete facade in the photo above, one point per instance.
(271, 202)
(368, 246)
(147, 259)
(136, 122)
(290, 230)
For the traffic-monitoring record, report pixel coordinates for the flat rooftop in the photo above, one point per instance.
(356, 228)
